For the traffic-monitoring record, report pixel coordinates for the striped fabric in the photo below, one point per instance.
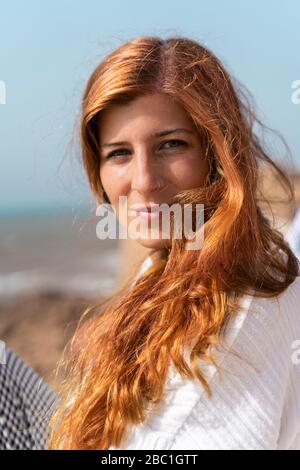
(26, 403)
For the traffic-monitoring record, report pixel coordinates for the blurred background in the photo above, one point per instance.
(52, 264)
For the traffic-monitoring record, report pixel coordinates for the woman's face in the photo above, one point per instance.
(145, 159)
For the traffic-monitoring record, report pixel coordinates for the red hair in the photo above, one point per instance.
(128, 342)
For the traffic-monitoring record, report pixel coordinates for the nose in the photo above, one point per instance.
(147, 175)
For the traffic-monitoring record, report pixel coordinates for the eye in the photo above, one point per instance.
(176, 141)
(115, 153)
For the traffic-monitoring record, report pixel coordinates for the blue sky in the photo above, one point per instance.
(49, 48)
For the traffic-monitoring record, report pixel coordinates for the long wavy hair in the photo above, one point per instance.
(116, 364)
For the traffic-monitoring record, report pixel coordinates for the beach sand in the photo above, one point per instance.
(37, 327)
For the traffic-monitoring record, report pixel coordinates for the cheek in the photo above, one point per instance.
(189, 172)
(113, 182)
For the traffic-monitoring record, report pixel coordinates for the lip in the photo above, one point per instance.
(148, 215)
(151, 209)
(145, 209)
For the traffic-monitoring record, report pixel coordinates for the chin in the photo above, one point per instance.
(154, 243)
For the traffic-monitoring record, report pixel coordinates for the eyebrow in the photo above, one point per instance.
(156, 134)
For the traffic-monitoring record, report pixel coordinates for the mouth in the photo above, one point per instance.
(148, 215)
(150, 210)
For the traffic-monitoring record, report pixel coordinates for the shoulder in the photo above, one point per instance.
(281, 312)
(268, 326)
(255, 401)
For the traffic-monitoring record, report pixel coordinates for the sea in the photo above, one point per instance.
(57, 251)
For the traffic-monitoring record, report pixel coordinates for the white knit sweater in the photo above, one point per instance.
(249, 408)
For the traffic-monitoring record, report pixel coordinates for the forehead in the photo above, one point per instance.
(149, 113)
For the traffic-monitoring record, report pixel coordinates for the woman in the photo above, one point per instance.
(162, 122)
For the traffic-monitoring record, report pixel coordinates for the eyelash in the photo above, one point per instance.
(114, 152)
